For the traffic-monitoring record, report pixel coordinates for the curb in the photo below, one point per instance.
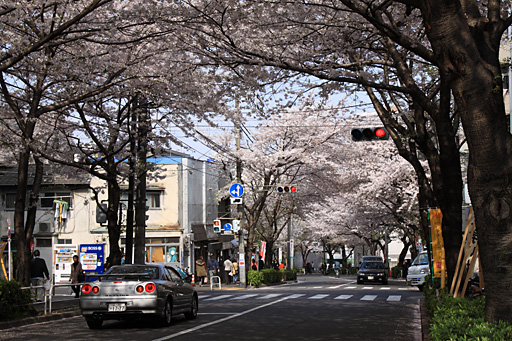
(38, 319)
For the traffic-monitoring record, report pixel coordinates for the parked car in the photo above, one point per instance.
(133, 291)
(372, 271)
(418, 270)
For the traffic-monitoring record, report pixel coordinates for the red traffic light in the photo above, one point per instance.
(369, 134)
(293, 189)
(216, 222)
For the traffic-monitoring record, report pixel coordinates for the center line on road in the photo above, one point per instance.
(218, 321)
(337, 286)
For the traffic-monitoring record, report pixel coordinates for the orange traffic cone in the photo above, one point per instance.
(193, 281)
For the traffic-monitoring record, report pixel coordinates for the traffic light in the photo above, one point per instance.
(286, 189)
(369, 134)
(216, 226)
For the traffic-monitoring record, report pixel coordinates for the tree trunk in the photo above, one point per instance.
(22, 243)
(470, 58)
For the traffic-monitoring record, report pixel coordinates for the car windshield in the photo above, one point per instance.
(372, 265)
(422, 259)
(125, 271)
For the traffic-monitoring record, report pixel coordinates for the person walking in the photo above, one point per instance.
(235, 270)
(213, 268)
(75, 276)
(38, 271)
(228, 267)
(200, 270)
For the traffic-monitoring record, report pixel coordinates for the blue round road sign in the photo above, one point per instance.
(236, 190)
(228, 227)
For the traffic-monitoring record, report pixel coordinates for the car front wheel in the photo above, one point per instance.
(192, 314)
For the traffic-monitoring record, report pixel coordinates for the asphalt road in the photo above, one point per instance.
(315, 308)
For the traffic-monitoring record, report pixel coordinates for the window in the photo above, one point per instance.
(153, 199)
(43, 242)
(46, 199)
(10, 200)
(64, 241)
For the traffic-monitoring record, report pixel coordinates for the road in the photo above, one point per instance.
(314, 308)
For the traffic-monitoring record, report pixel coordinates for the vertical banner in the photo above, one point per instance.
(263, 250)
(436, 232)
(3, 272)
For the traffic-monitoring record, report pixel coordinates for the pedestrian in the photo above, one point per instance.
(38, 271)
(228, 267)
(261, 264)
(76, 275)
(253, 264)
(200, 270)
(282, 266)
(213, 267)
(123, 259)
(235, 270)
(275, 265)
(308, 268)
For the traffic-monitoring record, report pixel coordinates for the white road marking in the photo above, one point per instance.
(227, 318)
(266, 297)
(295, 296)
(351, 287)
(343, 297)
(317, 287)
(318, 297)
(216, 298)
(394, 298)
(367, 288)
(368, 297)
(243, 297)
(337, 286)
(202, 297)
(385, 288)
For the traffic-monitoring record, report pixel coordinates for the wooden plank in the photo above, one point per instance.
(461, 252)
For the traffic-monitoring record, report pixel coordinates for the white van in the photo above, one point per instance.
(418, 270)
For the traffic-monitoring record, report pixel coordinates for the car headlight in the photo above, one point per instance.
(423, 271)
(359, 273)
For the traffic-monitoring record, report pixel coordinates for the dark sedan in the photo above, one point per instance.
(132, 291)
(372, 271)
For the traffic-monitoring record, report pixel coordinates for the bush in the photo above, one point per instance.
(352, 270)
(463, 319)
(290, 275)
(254, 277)
(15, 303)
(271, 276)
(396, 272)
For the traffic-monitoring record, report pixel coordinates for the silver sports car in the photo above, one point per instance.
(133, 290)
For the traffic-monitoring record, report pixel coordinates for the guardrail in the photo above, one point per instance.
(49, 292)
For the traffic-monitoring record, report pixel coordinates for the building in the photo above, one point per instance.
(181, 200)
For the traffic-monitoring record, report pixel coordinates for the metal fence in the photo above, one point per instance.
(49, 292)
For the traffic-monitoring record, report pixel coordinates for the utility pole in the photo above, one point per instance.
(289, 266)
(241, 246)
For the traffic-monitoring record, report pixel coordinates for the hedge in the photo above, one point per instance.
(270, 276)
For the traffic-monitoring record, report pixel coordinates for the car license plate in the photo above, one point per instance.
(114, 307)
(370, 278)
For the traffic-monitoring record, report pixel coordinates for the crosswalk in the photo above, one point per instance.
(234, 297)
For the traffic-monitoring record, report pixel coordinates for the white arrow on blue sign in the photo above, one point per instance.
(227, 227)
(236, 190)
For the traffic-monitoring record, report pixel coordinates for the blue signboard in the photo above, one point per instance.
(92, 259)
(227, 227)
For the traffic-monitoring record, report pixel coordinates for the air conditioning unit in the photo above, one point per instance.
(44, 228)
